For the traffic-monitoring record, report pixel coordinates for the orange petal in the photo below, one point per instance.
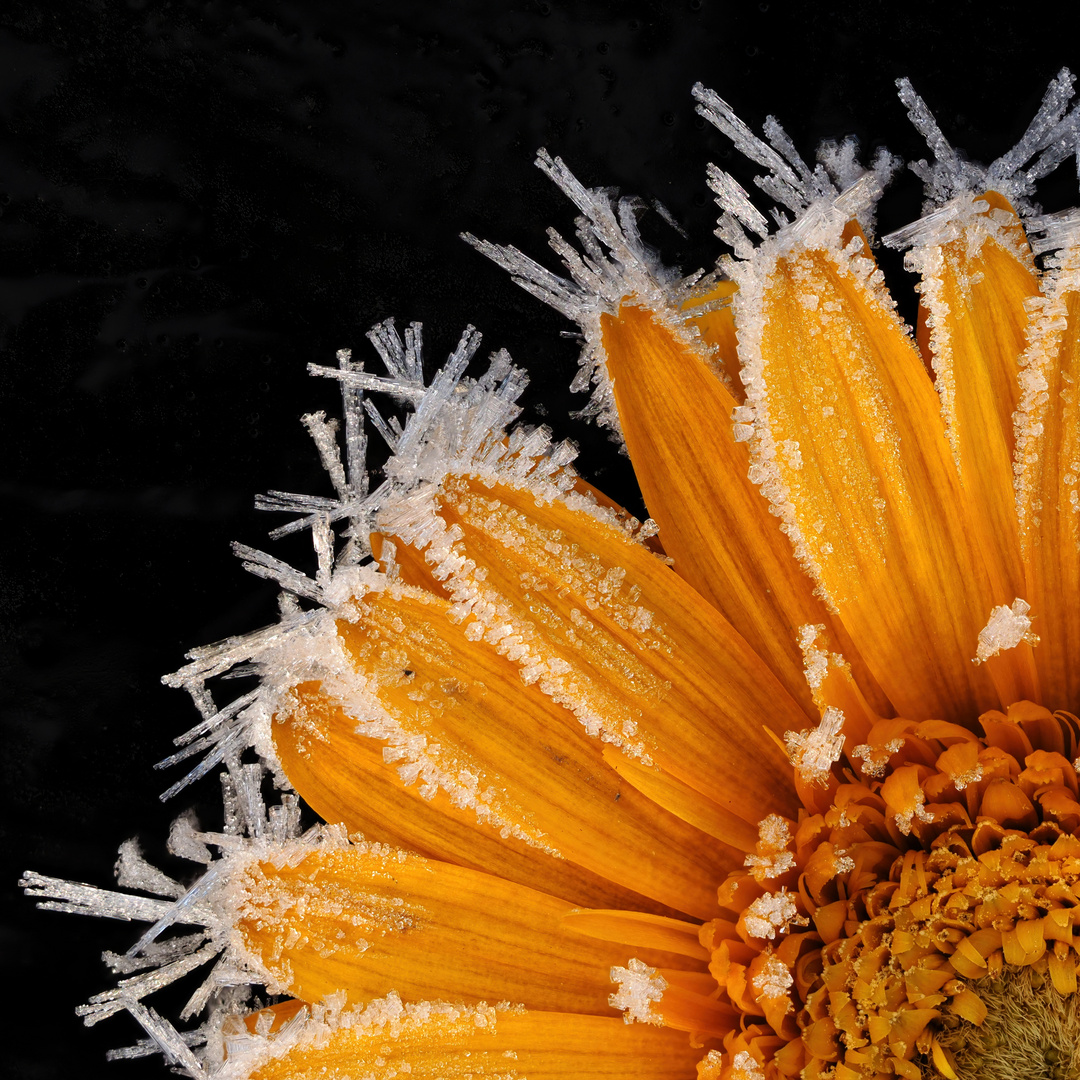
(344, 778)
(455, 716)
(639, 931)
(603, 626)
(943, 1061)
(710, 311)
(444, 1042)
(1063, 970)
(365, 919)
(1005, 802)
(684, 802)
(977, 278)
(1047, 476)
(848, 444)
(675, 416)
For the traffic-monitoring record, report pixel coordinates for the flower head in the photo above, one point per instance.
(786, 775)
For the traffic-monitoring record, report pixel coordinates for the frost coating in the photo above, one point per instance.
(836, 178)
(252, 832)
(640, 988)
(456, 426)
(823, 213)
(773, 980)
(875, 759)
(954, 213)
(454, 421)
(1006, 628)
(815, 660)
(958, 228)
(1047, 322)
(378, 1022)
(745, 1067)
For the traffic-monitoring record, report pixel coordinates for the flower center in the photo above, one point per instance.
(946, 929)
(1031, 1031)
(932, 881)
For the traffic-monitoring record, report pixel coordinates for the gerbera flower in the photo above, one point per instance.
(786, 775)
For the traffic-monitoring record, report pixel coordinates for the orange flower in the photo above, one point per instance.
(794, 794)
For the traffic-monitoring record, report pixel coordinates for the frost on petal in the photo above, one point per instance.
(640, 987)
(745, 1067)
(771, 857)
(813, 753)
(616, 265)
(836, 180)
(771, 914)
(1006, 628)
(161, 956)
(875, 758)
(1050, 139)
(815, 659)
(774, 979)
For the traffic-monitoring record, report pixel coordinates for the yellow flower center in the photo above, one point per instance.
(903, 911)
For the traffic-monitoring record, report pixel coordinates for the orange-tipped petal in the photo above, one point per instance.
(710, 311)
(683, 801)
(434, 1041)
(977, 277)
(603, 626)
(849, 446)
(1048, 481)
(366, 919)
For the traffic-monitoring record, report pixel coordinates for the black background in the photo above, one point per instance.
(198, 199)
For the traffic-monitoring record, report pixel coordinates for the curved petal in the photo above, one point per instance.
(978, 278)
(1048, 482)
(443, 1042)
(849, 446)
(675, 415)
(344, 777)
(453, 715)
(710, 311)
(639, 931)
(367, 919)
(603, 626)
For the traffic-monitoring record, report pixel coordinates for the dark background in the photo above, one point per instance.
(198, 199)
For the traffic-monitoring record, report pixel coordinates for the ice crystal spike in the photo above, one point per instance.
(614, 264)
(641, 989)
(253, 833)
(1052, 136)
(837, 177)
(453, 422)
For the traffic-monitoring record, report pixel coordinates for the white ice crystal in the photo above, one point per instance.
(160, 956)
(814, 752)
(774, 979)
(640, 988)
(1006, 628)
(771, 857)
(614, 265)
(771, 914)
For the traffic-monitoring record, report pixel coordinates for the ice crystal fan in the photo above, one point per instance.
(781, 782)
